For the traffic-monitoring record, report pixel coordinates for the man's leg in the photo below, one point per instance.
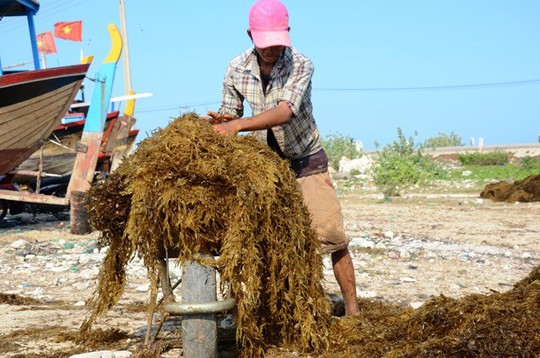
(344, 272)
(323, 204)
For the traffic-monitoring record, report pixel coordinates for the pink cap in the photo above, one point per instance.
(269, 24)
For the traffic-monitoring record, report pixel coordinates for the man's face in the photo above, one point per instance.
(270, 54)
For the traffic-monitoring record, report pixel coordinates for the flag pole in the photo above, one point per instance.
(125, 51)
(43, 60)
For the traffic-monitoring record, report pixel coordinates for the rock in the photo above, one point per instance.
(415, 305)
(361, 242)
(404, 254)
(29, 257)
(340, 175)
(407, 279)
(361, 165)
(20, 244)
(389, 234)
(467, 255)
(38, 293)
(466, 173)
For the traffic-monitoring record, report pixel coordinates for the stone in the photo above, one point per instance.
(361, 242)
(417, 304)
(404, 254)
(407, 279)
(20, 244)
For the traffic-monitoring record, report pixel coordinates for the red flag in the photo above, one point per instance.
(45, 42)
(71, 30)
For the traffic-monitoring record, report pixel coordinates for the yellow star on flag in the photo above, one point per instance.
(67, 30)
(40, 43)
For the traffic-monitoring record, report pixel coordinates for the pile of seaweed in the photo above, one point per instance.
(526, 190)
(187, 190)
(13, 299)
(494, 325)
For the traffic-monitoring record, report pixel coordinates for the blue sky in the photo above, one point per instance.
(370, 59)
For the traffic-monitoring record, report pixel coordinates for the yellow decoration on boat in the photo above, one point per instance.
(87, 59)
(130, 106)
(116, 44)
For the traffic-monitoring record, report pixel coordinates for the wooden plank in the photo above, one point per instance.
(33, 198)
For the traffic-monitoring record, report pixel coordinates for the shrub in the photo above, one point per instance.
(399, 165)
(336, 146)
(530, 163)
(443, 140)
(489, 158)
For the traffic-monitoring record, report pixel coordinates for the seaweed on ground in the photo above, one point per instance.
(526, 190)
(494, 325)
(188, 190)
(17, 300)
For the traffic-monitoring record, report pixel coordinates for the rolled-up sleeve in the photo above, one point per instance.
(232, 101)
(298, 85)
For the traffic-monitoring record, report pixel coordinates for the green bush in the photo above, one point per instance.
(336, 146)
(399, 165)
(530, 163)
(443, 140)
(508, 172)
(488, 158)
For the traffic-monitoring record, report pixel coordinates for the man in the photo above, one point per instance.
(275, 79)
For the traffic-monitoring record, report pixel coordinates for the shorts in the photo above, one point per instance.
(325, 209)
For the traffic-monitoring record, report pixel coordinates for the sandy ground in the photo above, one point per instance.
(405, 250)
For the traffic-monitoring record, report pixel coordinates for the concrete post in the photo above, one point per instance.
(199, 331)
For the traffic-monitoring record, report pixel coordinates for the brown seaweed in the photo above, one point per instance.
(188, 190)
(526, 190)
(494, 325)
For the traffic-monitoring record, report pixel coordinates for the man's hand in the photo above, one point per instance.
(217, 118)
(227, 128)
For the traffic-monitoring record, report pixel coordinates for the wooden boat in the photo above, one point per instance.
(89, 146)
(32, 103)
(59, 152)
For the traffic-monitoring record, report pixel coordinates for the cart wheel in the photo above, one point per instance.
(4, 206)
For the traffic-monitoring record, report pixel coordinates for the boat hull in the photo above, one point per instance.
(59, 153)
(32, 103)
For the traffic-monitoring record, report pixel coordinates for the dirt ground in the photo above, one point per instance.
(444, 241)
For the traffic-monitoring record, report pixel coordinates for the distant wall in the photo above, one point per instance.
(516, 150)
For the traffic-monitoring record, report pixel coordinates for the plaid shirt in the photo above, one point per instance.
(290, 82)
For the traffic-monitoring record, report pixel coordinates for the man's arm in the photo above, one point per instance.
(268, 119)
